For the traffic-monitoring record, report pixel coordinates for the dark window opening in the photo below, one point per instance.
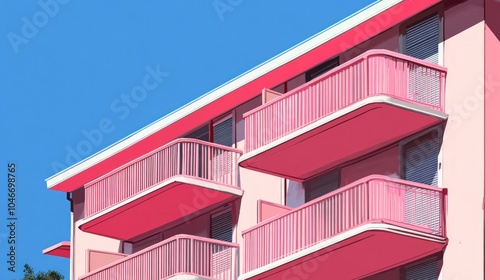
(321, 185)
(322, 68)
(200, 134)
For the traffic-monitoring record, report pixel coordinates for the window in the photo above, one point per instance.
(422, 39)
(223, 132)
(220, 132)
(428, 270)
(321, 185)
(420, 158)
(420, 164)
(322, 68)
(221, 227)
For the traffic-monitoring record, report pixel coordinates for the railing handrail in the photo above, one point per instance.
(169, 144)
(341, 190)
(361, 57)
(159, 244)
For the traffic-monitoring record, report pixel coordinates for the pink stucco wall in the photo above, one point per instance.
(295, 82)
(492, 139)
(384, 163)
(256, 185)
(83, 242)
(388, 40)
(199, 226)
(463, 143)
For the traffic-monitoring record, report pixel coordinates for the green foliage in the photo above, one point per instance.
(29, 274)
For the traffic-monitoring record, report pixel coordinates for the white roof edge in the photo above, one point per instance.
(269, 65)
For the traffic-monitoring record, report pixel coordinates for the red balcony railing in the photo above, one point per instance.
(181, 254)
(182, 157)
(376, 72)
(371, 199)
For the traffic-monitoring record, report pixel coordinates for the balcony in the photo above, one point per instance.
(182, 257)
(369, 226)
(184, 177)
(369, 102)
(61, 249)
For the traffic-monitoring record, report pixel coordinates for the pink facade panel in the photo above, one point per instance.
(98, 259)
(463, 149)
(268, 210)
(268, 95)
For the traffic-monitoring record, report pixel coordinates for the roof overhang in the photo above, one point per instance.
(342, 36)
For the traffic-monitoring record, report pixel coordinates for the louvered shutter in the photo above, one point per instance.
(223, 132)
(222, 227)
(424, 271)
(421, 166)
(222, 160)
(421, 159)
(422, 42)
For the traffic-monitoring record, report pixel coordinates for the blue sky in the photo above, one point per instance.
(67, 66)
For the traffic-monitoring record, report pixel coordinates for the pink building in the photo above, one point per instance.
(368, 151)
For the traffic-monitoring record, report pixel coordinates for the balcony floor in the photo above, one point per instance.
(357, 253)
(344, 135)
(170, 200)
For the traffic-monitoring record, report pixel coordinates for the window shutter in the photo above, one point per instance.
(422, 42)
(421, 166)
(222, 226)
(421, 159)
(423, 271)
(222, 229)
(422, 39)
(223, 132)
